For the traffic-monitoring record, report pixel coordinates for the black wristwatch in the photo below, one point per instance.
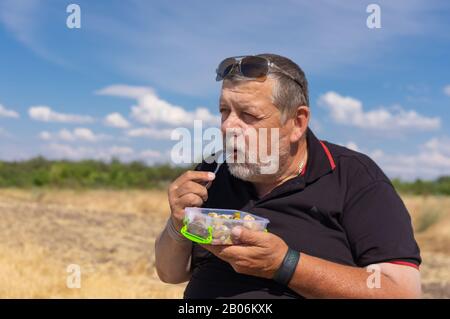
(284, 274)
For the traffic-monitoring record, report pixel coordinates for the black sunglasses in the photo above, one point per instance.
(249, 66)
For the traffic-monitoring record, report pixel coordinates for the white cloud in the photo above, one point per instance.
(123, 153)
(4, 112)
(439, 144)
(352, 145)
(349, 111)
(116, 120)
(160, 134)
(78, 134)
(126, 91)
(67, 151)
(150, 154)
(431, 161)
(447, 90)
(44, 135)
(86, 134)
(64, 151)
(46, 114)
(151, 109)
(120, 150)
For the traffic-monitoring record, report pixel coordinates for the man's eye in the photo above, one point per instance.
(249, 115)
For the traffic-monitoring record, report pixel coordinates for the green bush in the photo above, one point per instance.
(40, 172)
(440, 186)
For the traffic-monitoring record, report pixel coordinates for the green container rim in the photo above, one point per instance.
(196, 238)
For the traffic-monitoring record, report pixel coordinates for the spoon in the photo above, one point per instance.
(219, 160)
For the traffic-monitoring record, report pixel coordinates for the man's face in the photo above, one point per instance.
(246, 107)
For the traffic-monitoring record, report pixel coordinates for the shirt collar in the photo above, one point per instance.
(320, 160)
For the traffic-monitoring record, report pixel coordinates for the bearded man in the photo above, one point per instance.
(335, 218)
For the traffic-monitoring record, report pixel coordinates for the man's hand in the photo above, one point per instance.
(257, 253)
(172, 256)
(261, 254)
(188, 190)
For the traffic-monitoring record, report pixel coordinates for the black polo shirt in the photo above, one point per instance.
(342, 209)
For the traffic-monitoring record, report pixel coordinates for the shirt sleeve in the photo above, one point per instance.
(379, 228)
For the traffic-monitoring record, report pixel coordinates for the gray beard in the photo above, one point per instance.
(251, 172)
(246, 172)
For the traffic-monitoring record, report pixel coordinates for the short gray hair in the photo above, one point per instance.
(287, 95)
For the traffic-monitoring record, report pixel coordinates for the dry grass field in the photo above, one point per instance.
(110, 235)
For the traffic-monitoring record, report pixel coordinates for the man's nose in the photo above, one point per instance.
(232, 123)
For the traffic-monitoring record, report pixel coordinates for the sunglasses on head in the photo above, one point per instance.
(249, 66)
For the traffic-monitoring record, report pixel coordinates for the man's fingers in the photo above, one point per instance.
(224, 252)
(245, 241)
(186, 191)
(191, 199)
(196, 176)
(232, 253)
(246, 236)
(192, 187)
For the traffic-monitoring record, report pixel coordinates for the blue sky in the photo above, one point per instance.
(137, 69)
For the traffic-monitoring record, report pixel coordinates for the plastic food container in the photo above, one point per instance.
(213, 226)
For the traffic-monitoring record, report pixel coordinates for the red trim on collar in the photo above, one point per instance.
(330, 158)
(303, 170)
(404, 263)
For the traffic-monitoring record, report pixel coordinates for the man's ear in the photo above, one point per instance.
(300, 123)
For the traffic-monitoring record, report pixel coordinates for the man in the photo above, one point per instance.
(337, 227)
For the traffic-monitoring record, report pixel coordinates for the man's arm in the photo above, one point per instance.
(172, 257)
(172, 250)
(318, 278)
(261, 254)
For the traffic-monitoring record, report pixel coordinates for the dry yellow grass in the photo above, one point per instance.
(111, 234)
(431, 220)
(33, 272)
(152, 202)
